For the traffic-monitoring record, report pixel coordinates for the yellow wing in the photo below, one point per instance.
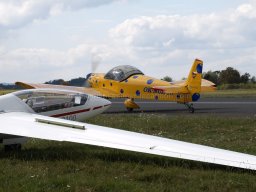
(92, 91)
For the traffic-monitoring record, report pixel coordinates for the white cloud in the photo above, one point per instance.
(17, 13)
(164, 40)
(183, 32)
(39, 63)
(39, 57)
(159, 45)
(44, 64)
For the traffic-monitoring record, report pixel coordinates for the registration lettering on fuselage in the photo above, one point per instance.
(151, 90)
(70, 117)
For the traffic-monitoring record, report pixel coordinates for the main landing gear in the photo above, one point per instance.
(130, 105)
(190, 107)
(129, 109)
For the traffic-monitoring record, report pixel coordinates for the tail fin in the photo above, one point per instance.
(194, 80)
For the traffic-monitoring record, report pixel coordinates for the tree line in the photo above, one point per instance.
(8, 86)
(79, 82)
(226, 76)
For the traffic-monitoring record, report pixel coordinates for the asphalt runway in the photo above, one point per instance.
(216, 106)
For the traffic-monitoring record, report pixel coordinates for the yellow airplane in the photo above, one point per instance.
(129, 82)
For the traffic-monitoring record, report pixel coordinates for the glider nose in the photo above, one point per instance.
(105, 103)
(100, 105)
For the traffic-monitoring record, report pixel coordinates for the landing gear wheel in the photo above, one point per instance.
(12, 147)
(190, 107)
(129, 109)
(191, 110)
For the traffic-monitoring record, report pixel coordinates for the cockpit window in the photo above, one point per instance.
(44, 101)
(122, 72)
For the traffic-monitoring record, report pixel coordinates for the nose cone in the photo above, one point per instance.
(99, 105)
(103, 102)
(88, 75)
(88, 81)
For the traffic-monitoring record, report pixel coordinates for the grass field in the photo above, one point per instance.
(3, 92)
(232, 93)
(53, 166)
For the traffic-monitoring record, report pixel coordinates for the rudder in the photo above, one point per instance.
(194, 79)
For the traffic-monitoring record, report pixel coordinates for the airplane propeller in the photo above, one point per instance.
(95, 62)
(86, 82)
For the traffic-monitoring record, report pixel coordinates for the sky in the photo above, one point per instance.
(42, 40)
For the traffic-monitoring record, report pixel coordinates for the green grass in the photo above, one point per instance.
(3, 92)
(237, 86)
(232, 93)
(54, 166)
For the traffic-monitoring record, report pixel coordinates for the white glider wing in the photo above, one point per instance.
(37, 126)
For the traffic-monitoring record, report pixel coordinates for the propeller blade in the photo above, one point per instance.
(95, 62)
(86, 83)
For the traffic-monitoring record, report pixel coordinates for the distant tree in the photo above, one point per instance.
(245, 78)
(212, 76)
(57, 82)
(9, 86)
(77, 82)
(253, 79)
(229, 76)
(167, 78)
(66, 83)
(73, 82)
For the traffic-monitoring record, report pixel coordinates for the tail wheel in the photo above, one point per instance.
(190, 107)
(129, 109)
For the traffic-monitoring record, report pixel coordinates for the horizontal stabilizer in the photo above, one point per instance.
(179, 87)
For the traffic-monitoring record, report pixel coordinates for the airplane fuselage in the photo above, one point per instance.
(138, 87)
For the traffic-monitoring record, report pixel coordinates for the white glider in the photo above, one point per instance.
(58, 103)
(38, 126)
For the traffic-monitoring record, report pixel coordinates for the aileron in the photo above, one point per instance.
(58, 123)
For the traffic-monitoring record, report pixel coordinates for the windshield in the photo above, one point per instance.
(50, 100)
(121, 73)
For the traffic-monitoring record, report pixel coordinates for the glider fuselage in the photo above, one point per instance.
(53, 103)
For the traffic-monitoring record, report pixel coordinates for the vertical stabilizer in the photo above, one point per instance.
(194, 79)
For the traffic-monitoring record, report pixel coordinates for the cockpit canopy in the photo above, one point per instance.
(121, 73)
(41, 100)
